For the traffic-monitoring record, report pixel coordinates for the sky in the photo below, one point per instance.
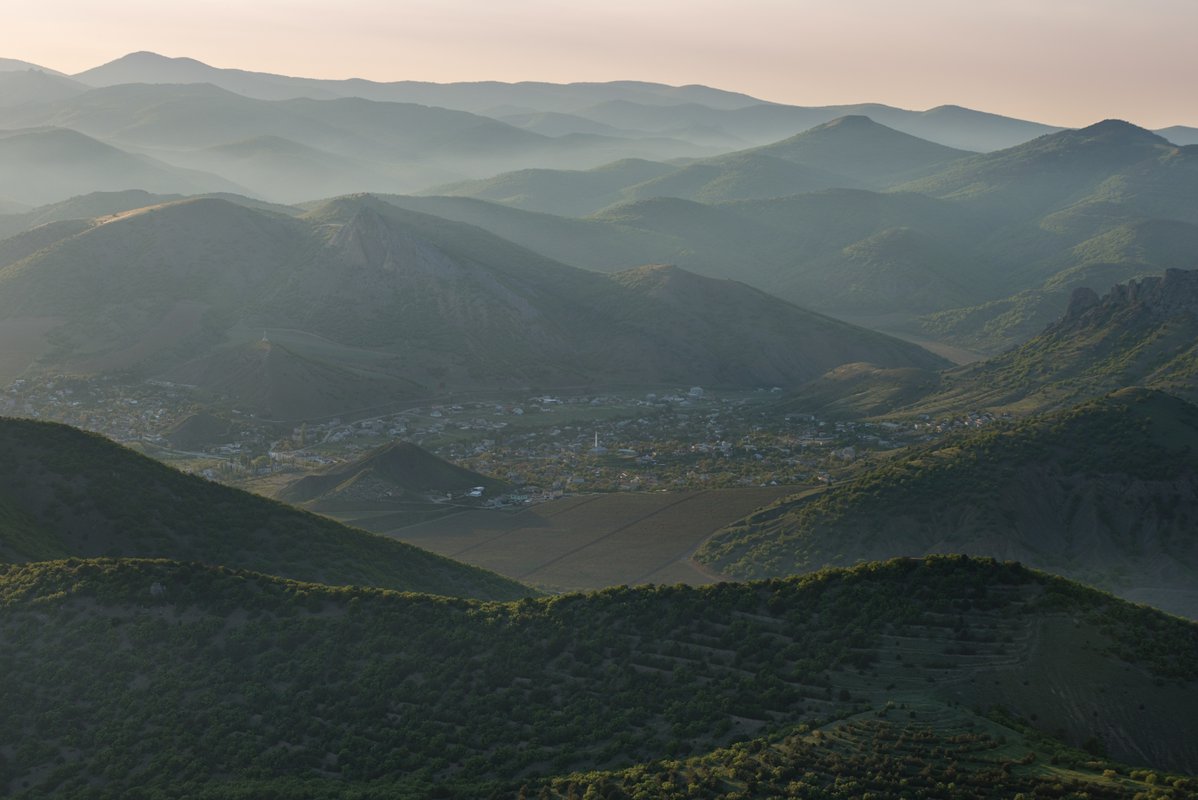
(1066, 62)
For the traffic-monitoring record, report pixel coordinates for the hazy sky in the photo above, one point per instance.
(1069, 62)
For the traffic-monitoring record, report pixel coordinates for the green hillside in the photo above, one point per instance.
(69, 493)
(232, 684)
(1105, 493)
(1141, 333)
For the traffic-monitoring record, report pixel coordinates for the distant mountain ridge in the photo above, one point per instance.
(395, 146)
(847, 152)
(147, 67)
(46, 165)
(635, 108)
(1030, 220)
(990, 256)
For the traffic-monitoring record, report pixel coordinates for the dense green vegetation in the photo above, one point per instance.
(897, 751)
(206, 681)
(68, 493)
(1105, 492)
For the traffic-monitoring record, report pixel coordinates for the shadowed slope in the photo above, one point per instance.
(68, 493)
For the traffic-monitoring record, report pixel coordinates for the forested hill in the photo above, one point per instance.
(208, 682)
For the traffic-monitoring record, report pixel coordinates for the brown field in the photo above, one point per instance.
(589, 541)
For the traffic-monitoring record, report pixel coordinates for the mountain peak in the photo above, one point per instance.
(148, 57)
(1119, 130)
(144, 66)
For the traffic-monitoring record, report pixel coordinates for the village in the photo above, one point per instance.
(544, 446)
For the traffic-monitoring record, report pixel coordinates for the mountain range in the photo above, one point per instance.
(848, 152)
(632, 108)
(197, 256)
(988, 246)
(1047, 212)
(357, 303)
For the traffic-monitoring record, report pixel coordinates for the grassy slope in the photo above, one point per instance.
(235, 684)
(69, 493)
(1140, 333)
(1106, 492)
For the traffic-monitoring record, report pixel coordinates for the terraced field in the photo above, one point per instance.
(588, 541)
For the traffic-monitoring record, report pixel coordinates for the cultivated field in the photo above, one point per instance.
(589, 541)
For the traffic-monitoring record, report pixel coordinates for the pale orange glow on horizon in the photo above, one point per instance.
(1068, 62)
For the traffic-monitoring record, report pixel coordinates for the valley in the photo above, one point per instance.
(591, 439)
